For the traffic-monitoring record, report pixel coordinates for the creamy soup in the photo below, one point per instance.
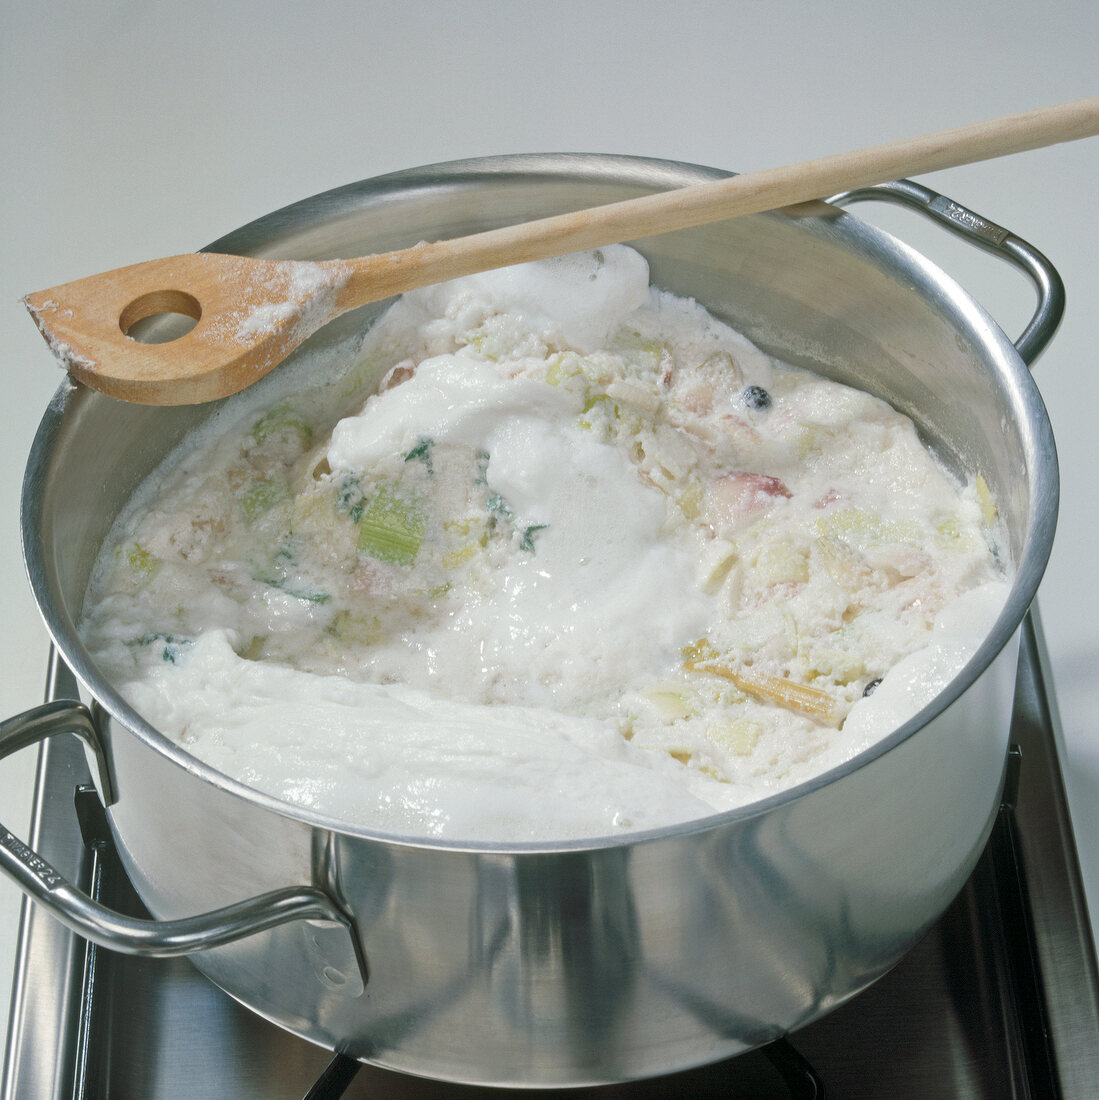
(557, 555)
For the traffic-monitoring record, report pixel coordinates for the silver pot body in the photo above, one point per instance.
(613, 959)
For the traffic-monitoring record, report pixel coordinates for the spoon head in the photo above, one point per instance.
(247, 315)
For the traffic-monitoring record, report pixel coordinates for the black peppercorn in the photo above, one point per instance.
(756, 397)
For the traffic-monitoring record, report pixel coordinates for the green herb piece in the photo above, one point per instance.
(422, 453)
(277, 575)
(498, 506)
(301, 594)
(349, 497)
(284, 584)
(392, 528)
(173, 647)
(481, 461)
(285, 555)
(527, 542)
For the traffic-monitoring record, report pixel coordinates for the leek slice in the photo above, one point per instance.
(392, 527)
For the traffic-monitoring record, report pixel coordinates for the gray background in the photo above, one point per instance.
(136, 130)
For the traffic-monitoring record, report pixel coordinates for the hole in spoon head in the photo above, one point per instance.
(160, 316)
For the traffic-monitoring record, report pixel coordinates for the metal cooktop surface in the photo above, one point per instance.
(999, 1000)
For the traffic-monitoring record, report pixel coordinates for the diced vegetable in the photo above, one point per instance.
(360, 629)
(690, 500)
(739, 736)
(984, 496)
(453, 558)
(392, 527)
(951, 536)
(602, 406)
(633, 393)
(141, 560)
(563, 367)
(860, 527)
(600, 399)
(734, 499)
(718, 561)
(315, 516)
(262, 495)
(282, 418)
(253, 649)
(845, 565)
(842, 666)
(813, 439)
(671, 701)
(640, 350)
(468, 537)
(781, 563)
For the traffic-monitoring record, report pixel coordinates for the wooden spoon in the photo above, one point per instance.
(250, 314)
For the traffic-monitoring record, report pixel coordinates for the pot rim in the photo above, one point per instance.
(1042, 511)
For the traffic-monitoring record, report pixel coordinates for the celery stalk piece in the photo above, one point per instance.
(392, 528)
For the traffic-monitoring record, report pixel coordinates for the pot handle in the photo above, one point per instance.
(989, 236)
(130, 935)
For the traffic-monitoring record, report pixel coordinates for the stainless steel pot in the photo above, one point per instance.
(611, 959)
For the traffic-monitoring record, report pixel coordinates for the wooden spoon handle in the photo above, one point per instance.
(385, 274)
(250, 314)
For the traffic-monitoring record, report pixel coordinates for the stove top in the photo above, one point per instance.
(999, 1000)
